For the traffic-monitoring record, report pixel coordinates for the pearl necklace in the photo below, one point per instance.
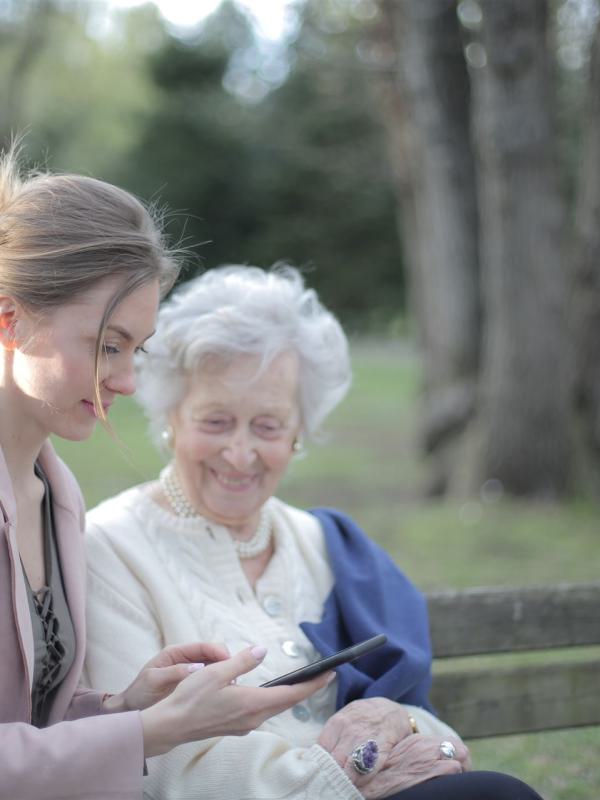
(182, 507)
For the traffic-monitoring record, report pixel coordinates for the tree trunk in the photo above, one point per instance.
(585, 306)
(525, 387)
(429, 125)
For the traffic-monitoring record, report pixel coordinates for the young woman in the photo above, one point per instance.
(82, 268)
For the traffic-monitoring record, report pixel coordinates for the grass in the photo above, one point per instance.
(368, 466)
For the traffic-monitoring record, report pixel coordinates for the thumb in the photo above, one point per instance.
(238, 664)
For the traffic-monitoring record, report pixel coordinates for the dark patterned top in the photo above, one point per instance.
(53, 634)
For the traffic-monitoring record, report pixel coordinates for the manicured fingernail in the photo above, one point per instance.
(331, 677)
(259, 652)
(195, 667)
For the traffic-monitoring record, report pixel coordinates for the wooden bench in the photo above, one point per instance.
(490, 698)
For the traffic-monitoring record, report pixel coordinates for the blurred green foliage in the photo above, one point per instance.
(300, 176)
(261, 152)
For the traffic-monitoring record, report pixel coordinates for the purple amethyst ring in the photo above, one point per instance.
(364, 757)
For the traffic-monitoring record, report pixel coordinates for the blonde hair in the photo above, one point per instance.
(61, 234)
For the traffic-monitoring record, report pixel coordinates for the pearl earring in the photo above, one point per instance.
(167, 437)
(297, 446)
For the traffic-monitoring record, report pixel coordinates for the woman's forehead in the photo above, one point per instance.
(246, 376)
(134, 315)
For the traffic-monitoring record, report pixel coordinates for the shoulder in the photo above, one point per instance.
(117, 522)
(119, 508)
(304, 552)
(116, 543)
(293, 515)
(298, 523)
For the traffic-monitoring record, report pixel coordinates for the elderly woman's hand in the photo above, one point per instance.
(413, 760)
(375, 718)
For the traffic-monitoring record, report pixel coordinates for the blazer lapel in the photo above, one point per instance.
(67, 506)
(8, 511)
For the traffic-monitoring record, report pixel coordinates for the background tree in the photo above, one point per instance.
(585, 306)
(276, 152)
(525, 381)
(429, 100)
(512, 216)
(298, 174)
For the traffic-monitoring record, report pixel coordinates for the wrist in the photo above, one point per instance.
(155, 728)
(114, 703)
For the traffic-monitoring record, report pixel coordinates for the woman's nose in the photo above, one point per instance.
(121, 381)
(239, 452)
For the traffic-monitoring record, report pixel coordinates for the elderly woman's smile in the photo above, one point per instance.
(232, 482)
(233, 436)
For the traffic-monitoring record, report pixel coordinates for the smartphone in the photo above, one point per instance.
(330, 662)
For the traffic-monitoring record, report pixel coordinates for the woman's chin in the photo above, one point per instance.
(75, 433)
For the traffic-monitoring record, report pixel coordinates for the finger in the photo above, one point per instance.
(165, 677)
(193, 652)
(447, 766)
(462, 751)
(466, 761)
(455, 764)
(463, 755)
(282, 697)
(238, 664)
(344, 751)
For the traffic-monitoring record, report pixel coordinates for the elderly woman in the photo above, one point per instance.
(243, 369)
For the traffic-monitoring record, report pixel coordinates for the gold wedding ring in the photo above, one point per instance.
(413, 724)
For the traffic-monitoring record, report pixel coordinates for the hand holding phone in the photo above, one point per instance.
(330, 662)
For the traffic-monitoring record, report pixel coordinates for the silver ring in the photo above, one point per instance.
(447, 749)
(364, 757)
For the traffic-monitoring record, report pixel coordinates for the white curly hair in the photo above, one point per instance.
(236, 310)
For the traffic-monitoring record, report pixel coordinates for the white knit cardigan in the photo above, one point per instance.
(157, 579)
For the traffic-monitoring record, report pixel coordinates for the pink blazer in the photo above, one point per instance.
(78, 754)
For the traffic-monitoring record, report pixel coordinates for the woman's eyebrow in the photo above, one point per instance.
(125, 333)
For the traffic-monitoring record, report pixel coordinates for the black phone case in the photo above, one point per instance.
(327, 663)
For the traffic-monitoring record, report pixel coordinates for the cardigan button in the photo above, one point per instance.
(272, 605)
(301, 713)
(291, 648)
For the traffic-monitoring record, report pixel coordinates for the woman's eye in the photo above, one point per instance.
(110, 349)
(267, 428)
(214, 423)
